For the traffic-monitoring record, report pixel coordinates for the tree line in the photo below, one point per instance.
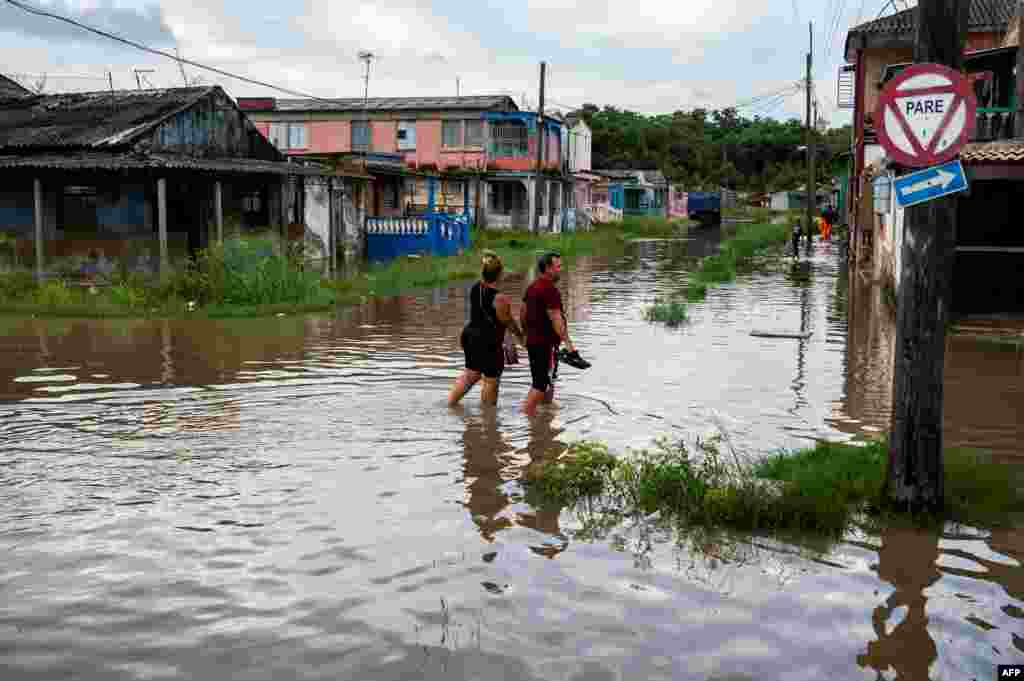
(703, 149)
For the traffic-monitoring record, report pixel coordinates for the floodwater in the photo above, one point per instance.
(290, 498)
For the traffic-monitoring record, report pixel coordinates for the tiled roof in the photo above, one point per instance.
(1002, 151)
(469, 103)
(984, 15)
(85, 120)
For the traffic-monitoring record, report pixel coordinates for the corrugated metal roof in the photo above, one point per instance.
(113, 161)
(84, 120)
(1002, 151)
(10, 88)
(983, 15)
(469, 103)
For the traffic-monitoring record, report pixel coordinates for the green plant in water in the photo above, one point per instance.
(670, 311)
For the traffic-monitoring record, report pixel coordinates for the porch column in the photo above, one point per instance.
(37, 190)
(465, 197)
(531, 199)
(218, 210)
(431, 188)
(286, 209)
(161, 209)
(332, 229)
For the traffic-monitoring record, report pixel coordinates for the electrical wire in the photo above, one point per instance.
(168, 55)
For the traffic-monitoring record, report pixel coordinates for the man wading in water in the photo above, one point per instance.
(490, 313)
(546, 327)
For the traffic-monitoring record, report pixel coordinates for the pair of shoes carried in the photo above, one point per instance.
(573, 359)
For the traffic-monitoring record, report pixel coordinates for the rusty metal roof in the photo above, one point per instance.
(983, 15)
(89, 120)
(1001, 151)
(468, 103)
(136, 161)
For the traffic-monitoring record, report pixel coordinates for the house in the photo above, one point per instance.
(989, 249)
(578, 143)
(475, 155)
(796, 199)
(636, 192)
(147, 176)
(9, 88)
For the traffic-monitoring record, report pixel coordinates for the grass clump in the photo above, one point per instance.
(670, 311)
(821, 489)
(749, 241)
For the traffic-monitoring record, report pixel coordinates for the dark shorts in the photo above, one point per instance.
(482, 353)
(541, 362)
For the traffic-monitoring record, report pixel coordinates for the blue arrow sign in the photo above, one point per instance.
(929, 184)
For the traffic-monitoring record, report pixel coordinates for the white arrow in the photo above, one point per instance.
(942, 179)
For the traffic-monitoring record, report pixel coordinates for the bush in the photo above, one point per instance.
(18, 285)
(670, 311)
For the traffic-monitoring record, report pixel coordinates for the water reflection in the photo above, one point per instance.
(907, 560)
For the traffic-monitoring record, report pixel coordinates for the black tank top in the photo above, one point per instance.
(482, 314)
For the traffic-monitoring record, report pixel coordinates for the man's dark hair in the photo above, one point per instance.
(545, 260)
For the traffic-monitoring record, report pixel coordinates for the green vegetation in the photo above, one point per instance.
(250, 277)
(823, 489)
(750, 240)
(707, 149)
(670, 311)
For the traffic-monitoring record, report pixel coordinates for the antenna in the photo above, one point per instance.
(138, 72)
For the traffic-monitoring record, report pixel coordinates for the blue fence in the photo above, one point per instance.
(426, 234)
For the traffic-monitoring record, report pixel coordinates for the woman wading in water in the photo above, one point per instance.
(484, 335)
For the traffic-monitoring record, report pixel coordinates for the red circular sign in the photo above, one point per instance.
(925, 115)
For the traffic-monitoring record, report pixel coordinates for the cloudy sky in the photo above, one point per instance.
(647, 55)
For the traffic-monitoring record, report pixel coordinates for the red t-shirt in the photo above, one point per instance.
(540, 297)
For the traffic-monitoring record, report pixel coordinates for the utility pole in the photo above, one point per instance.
(541, 143)
(367, 57)
(812, 188)
(914, 475)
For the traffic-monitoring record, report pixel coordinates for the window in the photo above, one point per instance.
(475, 133)
(251, 203)
(360, 135)
(288, 135)
(451, 133)
(406, 135)
(508, 138)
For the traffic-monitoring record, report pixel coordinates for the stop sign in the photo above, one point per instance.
(925, 115)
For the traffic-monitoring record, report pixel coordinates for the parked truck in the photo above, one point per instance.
(705, 207)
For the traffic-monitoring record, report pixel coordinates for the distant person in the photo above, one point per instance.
(483, 337)
(545, 327)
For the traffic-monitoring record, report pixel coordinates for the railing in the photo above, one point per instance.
(994, 123)
(429, 233)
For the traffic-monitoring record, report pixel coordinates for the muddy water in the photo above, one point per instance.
(289, 498)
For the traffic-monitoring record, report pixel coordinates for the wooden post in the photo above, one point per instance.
(218, 210)
(914, 477)
(37, 191)
(431, 190)
(161, 208)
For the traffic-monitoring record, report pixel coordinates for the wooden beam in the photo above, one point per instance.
(37, 190)
(161, 207)
(218, 210)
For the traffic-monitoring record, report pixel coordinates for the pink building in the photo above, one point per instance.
(473, 155)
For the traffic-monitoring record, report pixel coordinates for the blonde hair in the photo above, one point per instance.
(490, 266)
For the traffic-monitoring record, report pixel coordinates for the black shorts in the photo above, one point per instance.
(482, 353)
(541, 357)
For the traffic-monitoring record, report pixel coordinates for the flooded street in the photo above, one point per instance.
(291, 498)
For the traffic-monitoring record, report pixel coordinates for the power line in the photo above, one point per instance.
(146, 48)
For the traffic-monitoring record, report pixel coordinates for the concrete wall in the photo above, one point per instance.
(317, 236)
